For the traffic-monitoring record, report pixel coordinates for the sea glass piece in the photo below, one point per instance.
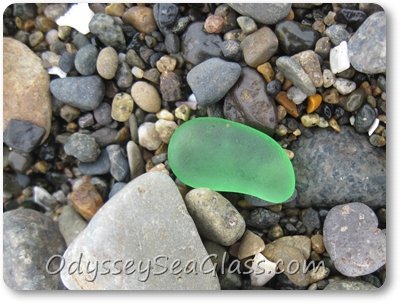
(228, 156)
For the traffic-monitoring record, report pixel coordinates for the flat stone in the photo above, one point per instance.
(139, 217)
(105, 136)
(310, 63)
(30, 239)
(22, 135)
(354, 100)
(353, 241)
(367, 47)
(295, 73)
(357, 168)
(266, 13)
(248, 103)
(215, 217)
(83, 147)
(25, 86)
(295, 37)
(198, 45)
(141, 18)
(82, 92)
(70, 223)
(135, 159)
(85, 60)
(99, 167)
(263, 270)
(69, 113)
(108, 31)
(146, 96)
(259, 46)
(119, 168)
(212, 79)
(250, 245)
(247, 24)
(348, 284)
(107, 63)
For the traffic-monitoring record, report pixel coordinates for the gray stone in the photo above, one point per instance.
(310, 63)
(259, 46)
(23, 135)
(30, 239)
(348, 284)
(266, 13)
(71, 224)
(353, 240)
(105, 136)
(119, 164)
(115, 189)
(231, 50)
(99, 167)
(311, 220)
(295, 73)
(247, 24)
(367, 47)
(219, 255)
(248, 103)
(83, 92)
(337, 33)
(83, 147)
(198, 46)
(364, 118)
(136, 223)
(69, 113)
(212, 79)
(215, 217)
(102, 114)
(44, 198)
(85, 60)
(108, 31)
(66, 62)
(20, 162)
(261, 218)
(357, 168)
(230, 280)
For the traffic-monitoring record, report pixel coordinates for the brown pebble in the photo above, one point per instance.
(317, 243)
(115, 9)
(267, 71)
(234, 249)
(122, 136)
(86, 200)
(290, 16)
(334, 125)
(141, 18)
(250, 245)
(331, 96)
(214, 24)
(281, 112)
(289, 105)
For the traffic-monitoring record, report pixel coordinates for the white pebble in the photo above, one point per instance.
(137, 72)
(296, 95)
(352, 120)
(55, 70)
(339, 58)
(77, 17)
(263, 270)
(373, 127)
(329, 78)
(344, 86)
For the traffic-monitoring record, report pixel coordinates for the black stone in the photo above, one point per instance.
(136, 43)
(351, 17)
(274, 87)
(165, 15)
(364, 118)
(154, 58)
(295, 37)
(172, 43)
(327, 110)
(231, 50)
(24, 11)
(22, 135)
(311, 220)
(262, 218)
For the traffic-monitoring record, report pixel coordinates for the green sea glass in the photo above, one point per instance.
(228, 156)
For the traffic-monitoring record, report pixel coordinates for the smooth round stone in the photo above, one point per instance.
(266, 13)
(253, 106)
(70, 223)
(119, 167)
(172, 43)
(25, 86)
(367, 47)
(328, 78)
(83, 147)
(124, 76)
(85, 60)
(250, 244)
(350, 158)
(231, 50)
(247, 24)
(295, 37)
(141, 18)
(165, 129)
(364, 118)
(23, 135)
(344, 86)
(146, 96)
(295, 73)
(102, 114)
(30, 239)
(122, 107)
(99, 167)
(66, 62)
(197, 163)
(215, 217)
(115, 9)
(198, 45)
(261, 218)
(311, 221)
(170, 86)
(133, 59)
(107, 63)
(323, 47)
(105, 136)
(148, 136)
(353, 241)
(274, 87)
(259, 46)
(337, 33)
(82, 92)
(108, 31)
(354, 101)
(165, 15)
(135, 159)
(349, 284)
(377, 140)
(212, 79)
(214, 24)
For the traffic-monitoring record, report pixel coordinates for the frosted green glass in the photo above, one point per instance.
(228, 156)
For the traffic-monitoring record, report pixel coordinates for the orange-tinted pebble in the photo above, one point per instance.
(313, 102)
(289, 105)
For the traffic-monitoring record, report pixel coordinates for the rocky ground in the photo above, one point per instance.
(93, 94)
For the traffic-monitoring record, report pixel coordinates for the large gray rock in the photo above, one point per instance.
(266, 13)
(335, 168)
(212, 79)
(145, 220)
(30, 239)
(352, 238)
(367, 47)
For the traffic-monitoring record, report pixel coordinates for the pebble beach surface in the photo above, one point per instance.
(93, 94)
